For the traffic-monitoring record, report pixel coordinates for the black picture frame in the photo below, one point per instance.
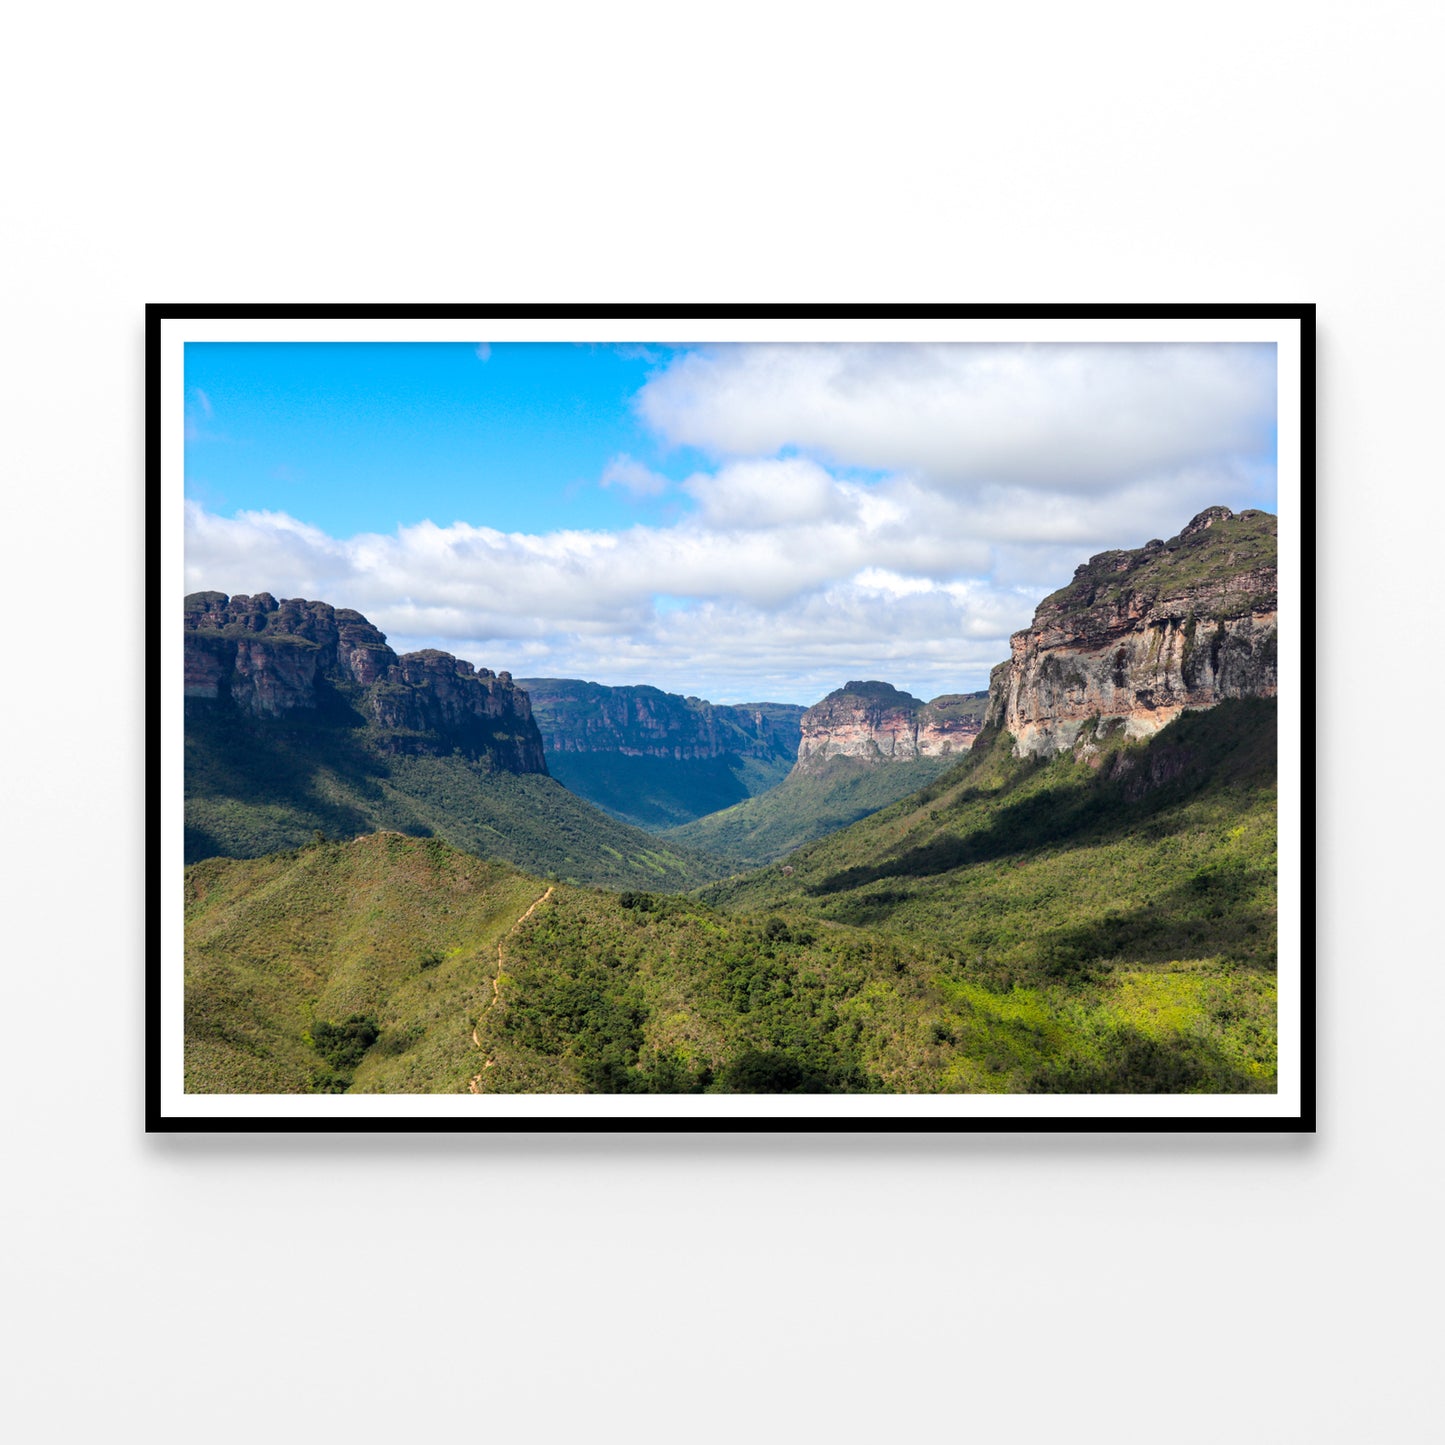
(161, 1113)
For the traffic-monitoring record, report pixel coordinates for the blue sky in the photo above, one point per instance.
(739, 522)
(358, 437)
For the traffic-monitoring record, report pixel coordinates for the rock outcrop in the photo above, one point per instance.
(640, 721)
(274, 660)
(875, 722)
(1139, 636)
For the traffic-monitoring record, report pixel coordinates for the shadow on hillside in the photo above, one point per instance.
(1216, 913)
(1232, 744)
(231, 763)
(1134, 1063)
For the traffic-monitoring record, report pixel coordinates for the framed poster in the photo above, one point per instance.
(722, 718)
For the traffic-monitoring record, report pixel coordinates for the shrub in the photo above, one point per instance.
(344, 1045)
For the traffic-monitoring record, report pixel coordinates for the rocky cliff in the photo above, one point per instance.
(875, 722)
(292, 659)
(640, 721)
(1139, 636)
(655, 758)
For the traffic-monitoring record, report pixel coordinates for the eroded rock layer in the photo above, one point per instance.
(271, 660)
(875, 722)
(645, 722)
(1138, 636)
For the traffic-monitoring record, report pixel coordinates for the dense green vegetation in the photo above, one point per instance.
(1216, 555)
(802, 807)
(664, 792)
(1015, 926)
(679, 999)
(256, 786)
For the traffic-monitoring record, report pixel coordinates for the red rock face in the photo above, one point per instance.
(877, 723)
(1140, 636)
(208, 665)
(272, 676)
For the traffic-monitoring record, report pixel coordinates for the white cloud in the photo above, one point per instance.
(622, 471)
(789, 610)
(1068, 419)
(770, 493)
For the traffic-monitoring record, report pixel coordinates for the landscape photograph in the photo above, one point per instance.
(594, 724)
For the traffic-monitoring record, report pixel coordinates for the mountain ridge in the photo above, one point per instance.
(876, 722)
(271, 658)
(1140, 635)
(300, 720)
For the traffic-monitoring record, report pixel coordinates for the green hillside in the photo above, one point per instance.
(254, 786)
(802, 807)
(305, 965)
(1124, 912)
(1016, 926)
(369, 966)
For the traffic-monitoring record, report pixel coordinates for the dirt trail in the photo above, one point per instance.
(497, 984)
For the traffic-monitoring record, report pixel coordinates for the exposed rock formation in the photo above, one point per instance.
(876, 722)
(1138, 636)
(272, 660)
(640, 721)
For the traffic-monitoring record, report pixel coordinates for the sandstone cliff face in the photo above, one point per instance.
(876, 722)
(271, 659)
(1138, 636)
(640, 721)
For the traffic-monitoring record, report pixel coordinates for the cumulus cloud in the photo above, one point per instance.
(832, 588)
(770, 493)
(1066, 418)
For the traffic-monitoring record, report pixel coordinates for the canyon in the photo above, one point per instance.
(642, 721)
(658, 759)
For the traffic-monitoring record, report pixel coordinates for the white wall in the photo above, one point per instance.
(1029, 1289)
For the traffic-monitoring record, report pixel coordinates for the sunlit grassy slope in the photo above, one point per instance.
(399, 930)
